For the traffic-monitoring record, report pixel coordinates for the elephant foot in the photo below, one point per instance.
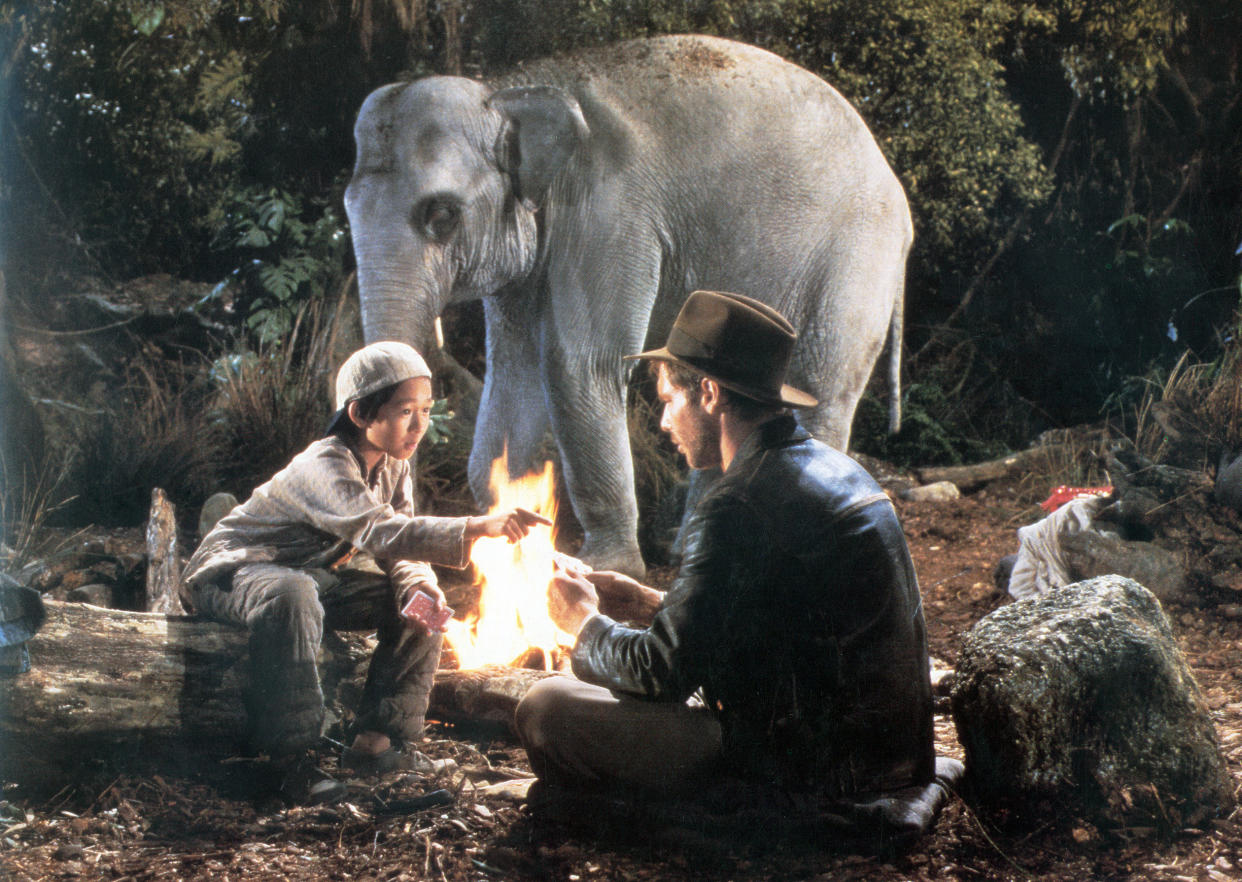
(625, 559)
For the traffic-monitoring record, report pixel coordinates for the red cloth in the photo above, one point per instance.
(1063, 494)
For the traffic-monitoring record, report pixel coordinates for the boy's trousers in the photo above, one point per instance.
(285, 611)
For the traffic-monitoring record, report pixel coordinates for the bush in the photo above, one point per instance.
(153, 433)
(270, 402)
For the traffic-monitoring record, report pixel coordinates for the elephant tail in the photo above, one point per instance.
(895, 328)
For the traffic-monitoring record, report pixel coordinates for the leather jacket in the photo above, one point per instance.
(797, 614)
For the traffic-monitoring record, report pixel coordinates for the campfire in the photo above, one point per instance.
(511, 625)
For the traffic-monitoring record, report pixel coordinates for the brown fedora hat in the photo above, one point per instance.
(742, 344)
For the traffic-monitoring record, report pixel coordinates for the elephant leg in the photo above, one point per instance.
(592, 436)
(858, 298)
(585, 387)
(512, 418)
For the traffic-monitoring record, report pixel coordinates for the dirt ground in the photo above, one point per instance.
(150, 820)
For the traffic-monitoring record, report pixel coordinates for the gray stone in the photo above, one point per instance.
(941, 491)
(1081, 699)
(96, 594)
(1144, 491)
(1228, 487)
(1002, 571)
(1163, 573)
(216, 507)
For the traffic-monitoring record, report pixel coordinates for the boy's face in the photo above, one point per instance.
(403, 420)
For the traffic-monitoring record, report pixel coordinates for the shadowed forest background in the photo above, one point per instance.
(1073, 168)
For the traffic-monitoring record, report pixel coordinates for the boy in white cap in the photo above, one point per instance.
(332, 540)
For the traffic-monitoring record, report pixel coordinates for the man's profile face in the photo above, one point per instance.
(695, 432)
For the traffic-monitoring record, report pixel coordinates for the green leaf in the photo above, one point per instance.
(255, 237)
(147, 20)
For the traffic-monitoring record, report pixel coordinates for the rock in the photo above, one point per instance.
(1002, 571)
(216, 507)
(941, 491)
(1228, 488)
(1089, 554)
(1082, 699)
(22, 614)
(1143, 490)
(96, 594)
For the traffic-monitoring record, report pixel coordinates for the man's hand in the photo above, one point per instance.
(625, 599)
(571, 600)
(512, 524)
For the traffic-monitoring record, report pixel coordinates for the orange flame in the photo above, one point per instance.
(513, 579)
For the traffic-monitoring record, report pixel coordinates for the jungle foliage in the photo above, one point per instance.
(1073, 166)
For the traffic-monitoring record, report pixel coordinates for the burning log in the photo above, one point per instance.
(487, 694)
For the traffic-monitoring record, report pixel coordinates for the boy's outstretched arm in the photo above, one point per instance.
(513, 524)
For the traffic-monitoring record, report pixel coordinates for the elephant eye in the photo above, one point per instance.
(438, 218)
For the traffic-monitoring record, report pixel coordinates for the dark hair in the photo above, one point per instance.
(368, 409)
(685, 377)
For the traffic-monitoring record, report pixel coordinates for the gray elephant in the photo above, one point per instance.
(583, 197)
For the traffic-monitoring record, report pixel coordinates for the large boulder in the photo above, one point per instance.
(1093, 553)
(1081, 698)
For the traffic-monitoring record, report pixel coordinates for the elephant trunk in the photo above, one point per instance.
(400, 301)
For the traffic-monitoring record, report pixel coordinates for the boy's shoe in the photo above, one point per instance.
(302, 782)
(365, 764)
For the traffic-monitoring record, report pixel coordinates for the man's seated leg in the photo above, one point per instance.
(584, 737)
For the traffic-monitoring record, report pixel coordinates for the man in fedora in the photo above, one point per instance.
(790, 651)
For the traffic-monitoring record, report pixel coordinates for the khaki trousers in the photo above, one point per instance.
(585, 737)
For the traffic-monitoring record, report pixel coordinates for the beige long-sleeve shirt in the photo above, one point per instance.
(313, 511)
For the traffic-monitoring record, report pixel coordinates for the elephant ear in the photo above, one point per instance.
(543, 127)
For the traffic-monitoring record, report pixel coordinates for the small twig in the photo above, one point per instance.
(982, 829)
(48, 805)
(104, 793)
(947, 578)
(50, 333)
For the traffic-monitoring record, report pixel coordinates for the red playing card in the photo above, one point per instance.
(422, 609)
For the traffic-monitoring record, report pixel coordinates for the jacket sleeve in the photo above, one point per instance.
(329, 494)
(405, 573)
(672, 658)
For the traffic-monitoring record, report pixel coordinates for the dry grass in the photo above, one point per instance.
(268, 404)
(443, 482)
(1194, 414)
(1074, 457)
(153, 433)
(24, 517)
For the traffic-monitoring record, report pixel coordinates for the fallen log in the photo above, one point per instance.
(969, 477)
(105, 678)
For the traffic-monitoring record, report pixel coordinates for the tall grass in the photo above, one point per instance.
(269, 402)
(1194, 414)
(25, 513)
(153, 432)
